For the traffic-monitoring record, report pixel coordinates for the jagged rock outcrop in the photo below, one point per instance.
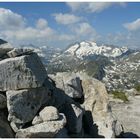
(98, 118)
(54, 106)
(19, 51)
(96, 101)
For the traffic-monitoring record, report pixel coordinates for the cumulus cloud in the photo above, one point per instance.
(75, 5)
(83, 28)
(93, 7)
(99, 6)
(41, 23)
(133, 26)
(14, 29)
(66, 18)
(10, 20)
(129, 39)
(84, 31)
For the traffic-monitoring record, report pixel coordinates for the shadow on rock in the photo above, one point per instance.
(90, 128)
(63, 103)
(128, 135)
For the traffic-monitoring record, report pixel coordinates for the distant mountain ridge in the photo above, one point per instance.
(87, 48)
(115, 66)
(2, 41)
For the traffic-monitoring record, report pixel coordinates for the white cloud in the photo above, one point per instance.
(29, 35)
(14, 29)
(133, 26)
(83, 29)
(66, 18)
(98, 6)
(41, 23)
(93, 7)
(129, 39)
(66, 37)
(75, 5)
(10, 20)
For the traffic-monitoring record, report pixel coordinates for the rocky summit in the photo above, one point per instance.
(34, 104)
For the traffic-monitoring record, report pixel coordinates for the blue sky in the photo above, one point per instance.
(59, 24)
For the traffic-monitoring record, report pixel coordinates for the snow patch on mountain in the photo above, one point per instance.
(88, 48)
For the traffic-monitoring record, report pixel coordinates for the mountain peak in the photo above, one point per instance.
(2, 41)
(88, 48)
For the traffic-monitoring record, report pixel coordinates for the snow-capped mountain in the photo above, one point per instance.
(117, 67)
(88, 48)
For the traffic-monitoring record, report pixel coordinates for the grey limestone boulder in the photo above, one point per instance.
(24, 104)
(49, 113)
(70, 83)
(97, 117)
(22, 72)
(49, 129)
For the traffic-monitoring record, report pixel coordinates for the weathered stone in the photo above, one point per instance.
(5, 129)
(21, 72)
(15, 127)
(49, 129)
(118, 128)
(98, 119)
(128, 114)
(74, 115)
(49, 113)
(37, 120)
(66, 105)
(59, 98)
(24, 104)
(70, 83)
(96, 105)
(19, 51)
(2, 101)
